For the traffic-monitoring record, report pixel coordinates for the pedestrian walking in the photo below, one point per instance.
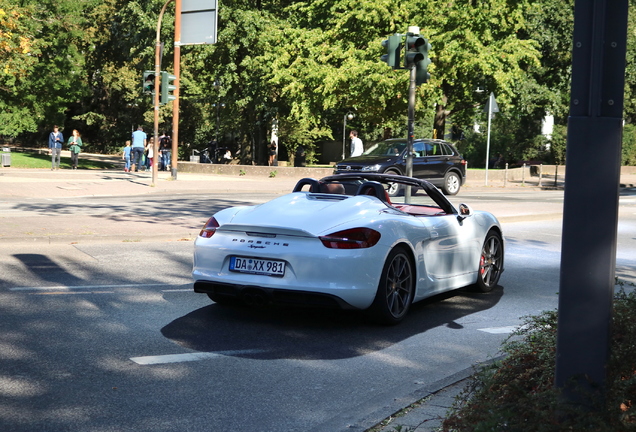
(126, 154)
(56, 139)
(272, 153)
(356, 144)
(139, 140)
(75, 146)
(150, 153)
(165, 148)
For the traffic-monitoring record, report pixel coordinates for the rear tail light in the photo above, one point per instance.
(210, 228)
(356, 238)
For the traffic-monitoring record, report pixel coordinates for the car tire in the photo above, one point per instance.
(491, 262)
(395, 289)
(394, 189)
(452, 183)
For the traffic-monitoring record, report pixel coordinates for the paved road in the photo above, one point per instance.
(93, 311)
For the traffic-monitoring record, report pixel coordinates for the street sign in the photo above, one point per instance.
(198, 22)
(491, 106)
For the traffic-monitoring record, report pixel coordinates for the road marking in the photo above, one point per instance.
(499, 330)
(85, 287)
(72, 293)
(180, 358)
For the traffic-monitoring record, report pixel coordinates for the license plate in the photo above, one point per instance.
(257, 266)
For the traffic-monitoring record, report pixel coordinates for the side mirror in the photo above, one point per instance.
(465, 211)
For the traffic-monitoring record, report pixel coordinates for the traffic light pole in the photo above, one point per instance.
(411, 133)
(155, 148)
(175, 104)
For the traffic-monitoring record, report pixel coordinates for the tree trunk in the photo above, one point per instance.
(439, 124)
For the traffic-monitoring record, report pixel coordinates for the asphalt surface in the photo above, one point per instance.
(23, 219)
(22, 192)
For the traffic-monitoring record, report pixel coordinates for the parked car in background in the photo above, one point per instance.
(437, 161)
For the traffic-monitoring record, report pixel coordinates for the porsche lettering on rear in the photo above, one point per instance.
(259, 242)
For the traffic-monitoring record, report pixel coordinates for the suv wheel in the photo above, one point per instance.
(452, 183)
(393, 189)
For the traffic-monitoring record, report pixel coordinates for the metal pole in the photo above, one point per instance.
(588, 250)
(174, 157)
(157, 91)
(344, 134)
(218, 121)
(506, 175)
(411, 134)
(490, 104)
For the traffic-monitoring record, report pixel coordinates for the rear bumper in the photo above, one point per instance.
(259, 296)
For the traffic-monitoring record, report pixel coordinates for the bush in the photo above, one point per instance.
(629, 145)
(518, 394)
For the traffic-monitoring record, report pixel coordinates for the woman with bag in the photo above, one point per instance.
(75, 145)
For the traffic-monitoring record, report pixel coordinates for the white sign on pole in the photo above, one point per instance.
(198, 22)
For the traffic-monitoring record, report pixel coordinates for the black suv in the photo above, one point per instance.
(437, 161)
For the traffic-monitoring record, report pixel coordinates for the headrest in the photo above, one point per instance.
(332, 188)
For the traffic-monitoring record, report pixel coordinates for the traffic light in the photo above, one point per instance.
(393, 47)
(166, 87)
(149, 82)
(416, 55)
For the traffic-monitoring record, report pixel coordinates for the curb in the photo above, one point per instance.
(425, 409)
(106, 238)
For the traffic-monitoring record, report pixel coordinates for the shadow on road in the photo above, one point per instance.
(315, 334)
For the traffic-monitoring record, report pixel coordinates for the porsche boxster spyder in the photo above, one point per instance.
(341, 242)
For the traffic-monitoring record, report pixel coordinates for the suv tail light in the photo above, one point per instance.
(210, 228)
(356, 238)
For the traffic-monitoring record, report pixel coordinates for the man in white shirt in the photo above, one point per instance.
(356, 144)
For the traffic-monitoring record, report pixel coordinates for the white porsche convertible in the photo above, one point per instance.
(341, 242)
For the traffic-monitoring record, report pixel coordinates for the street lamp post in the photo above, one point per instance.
(131, 105)
(217, 86)
(349, 115)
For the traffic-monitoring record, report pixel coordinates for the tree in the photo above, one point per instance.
(478, 45)
(19, 51)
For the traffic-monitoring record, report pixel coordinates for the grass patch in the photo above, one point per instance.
(37, 161)
(518, 393)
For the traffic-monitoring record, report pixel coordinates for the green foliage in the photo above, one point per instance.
(629, 145)
(558, 144)
(297, 66)
(518, 392)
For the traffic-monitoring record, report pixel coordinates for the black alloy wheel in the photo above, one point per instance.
(490, 263)
(395, 290)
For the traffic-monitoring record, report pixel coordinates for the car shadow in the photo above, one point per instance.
(315, 334)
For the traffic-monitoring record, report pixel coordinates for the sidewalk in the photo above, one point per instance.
(24, 217)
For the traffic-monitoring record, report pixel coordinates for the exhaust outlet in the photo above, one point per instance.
(255, 298)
